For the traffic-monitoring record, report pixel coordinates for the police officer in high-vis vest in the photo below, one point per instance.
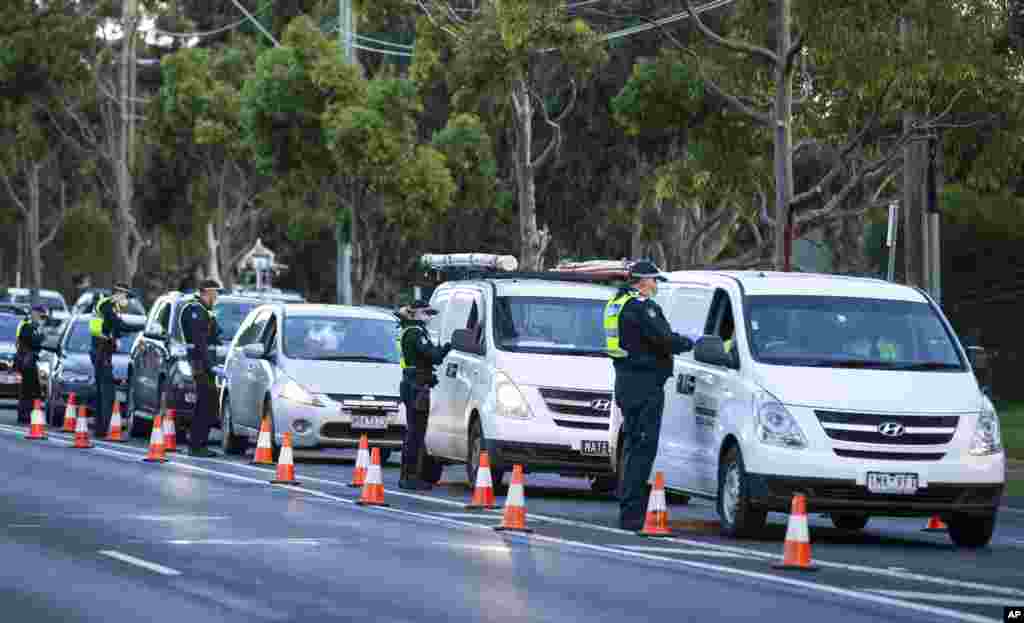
(200, 331)
(107, 327)
(418, 356)
(26, 361)
(641, 344)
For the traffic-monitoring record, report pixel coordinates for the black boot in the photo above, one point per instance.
(409, 479)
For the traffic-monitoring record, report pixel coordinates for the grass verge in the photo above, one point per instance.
(1011, 424)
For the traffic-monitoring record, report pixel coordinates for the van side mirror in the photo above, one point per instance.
(464, 340)
(710, 349)
(255, 351)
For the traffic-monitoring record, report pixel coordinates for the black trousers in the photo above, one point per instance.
(205, 412)
(104, 398)
(415, 430)
(29, 392)
(642, 400)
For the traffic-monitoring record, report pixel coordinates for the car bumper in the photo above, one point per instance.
(330, 427)
(539, 445)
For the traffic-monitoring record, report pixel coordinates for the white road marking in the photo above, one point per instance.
(138, 562)
(941, 597)
(313, 542)
(483, 548)
(180, 517)
(24, 525)
(870, 597)
(686, 552)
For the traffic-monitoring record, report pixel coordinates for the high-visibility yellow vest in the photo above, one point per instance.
(611, 323)
(22, 325)
(398, 344)
(96, 324)
(887, 350)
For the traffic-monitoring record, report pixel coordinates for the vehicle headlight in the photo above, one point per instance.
(776, 425)
(185, 369)
(294, 392)
(71, 376)
(509, 400)
(987, 439)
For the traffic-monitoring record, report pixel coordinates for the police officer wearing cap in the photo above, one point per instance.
(201, 333)
(106, 328)
(419, 356)
(26, 361)
(641, 344)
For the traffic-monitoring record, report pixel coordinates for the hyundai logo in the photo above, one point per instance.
(601, 405)
(369, 397)
(891, 429)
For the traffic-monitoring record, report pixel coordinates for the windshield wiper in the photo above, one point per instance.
(929, 365)
(353, 358)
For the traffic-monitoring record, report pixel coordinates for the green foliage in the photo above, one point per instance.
(664, 95)
(467, 148)
(999, 215)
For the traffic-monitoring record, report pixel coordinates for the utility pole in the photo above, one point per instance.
(126, 148)
(342, 234)
(783, 119)
(934, 223)
(914, 222)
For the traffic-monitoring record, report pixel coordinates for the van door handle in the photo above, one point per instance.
(451, 370)
(686, 384)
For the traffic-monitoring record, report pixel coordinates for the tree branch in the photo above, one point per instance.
(730, 99)
(730, 44)
(10, 190)
(792, 52)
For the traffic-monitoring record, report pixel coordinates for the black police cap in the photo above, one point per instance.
(421, 305)
(208, 284)
(645, 270)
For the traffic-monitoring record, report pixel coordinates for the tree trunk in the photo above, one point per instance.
(533, 240)
(35, 256)
(783, 142)
(212, 253)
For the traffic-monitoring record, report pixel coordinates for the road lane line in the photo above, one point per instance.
(687, 552)
(179, 517)
(138, 562)
(941, 597)
(247, 542)
(482, 548)
(24, 525)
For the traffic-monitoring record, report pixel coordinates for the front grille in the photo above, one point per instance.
(584, 410)
(918, 430)
(343, 430)
(890, 456)
(361, 404)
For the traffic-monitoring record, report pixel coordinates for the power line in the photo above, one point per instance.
(208, 33)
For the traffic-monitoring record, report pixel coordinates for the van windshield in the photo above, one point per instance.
(841, 332)
(552, 325)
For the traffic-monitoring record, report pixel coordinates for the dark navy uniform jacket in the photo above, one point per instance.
(648, 338)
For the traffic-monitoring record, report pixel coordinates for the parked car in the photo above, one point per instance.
(325, 373)
(159, 373)
(270, 294)
(53, 300)
(10, 381)
(70, 368)
(86, 303)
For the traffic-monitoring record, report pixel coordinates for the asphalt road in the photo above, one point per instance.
(100, 535)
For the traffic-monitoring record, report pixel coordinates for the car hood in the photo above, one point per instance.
(346, 377)
(558, 371)
(888, 391)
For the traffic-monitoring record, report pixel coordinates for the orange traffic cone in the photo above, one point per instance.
(515, 504)
(114, 434)
(82, 431)
(156, 442)
(286, 464)
(37, 429)
(264, 454)
(373, 490)
(656, 523)
(935, 524)
(69, 414)
(797, 550)
(362, 463)
(170, 432)
(483, 494)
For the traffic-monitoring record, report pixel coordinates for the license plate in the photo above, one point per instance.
(10, 379)
(595, 448)
(885, 482)
(370, 421)
(190, 397)
(122, 397)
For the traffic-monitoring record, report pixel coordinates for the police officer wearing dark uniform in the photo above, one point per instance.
(419, 356)
(201, 333)
(29, 342)
(641, 344)
(106, 328)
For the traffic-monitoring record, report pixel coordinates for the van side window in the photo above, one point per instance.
(440, 303)
(720, 321)
(457, 314)
(689, 309)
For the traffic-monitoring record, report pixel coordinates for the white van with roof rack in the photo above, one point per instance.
(527, 379)
(854, 392)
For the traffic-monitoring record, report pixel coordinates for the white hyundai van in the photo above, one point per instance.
(855, 392)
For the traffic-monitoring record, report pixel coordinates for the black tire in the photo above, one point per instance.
(477, 442)
(385, 454)
(230, 442)
(852, 522)
(737, 517)
(971, 531)
(429, 469)
(137, 426)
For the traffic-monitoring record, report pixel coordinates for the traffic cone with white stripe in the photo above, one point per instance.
(170, 432)
(483, 494)
(515, 504)
(797, 550)
(935, 524)
(82, 432)
(656, 523)
(286, 464)
(156, 442)
(362, 462)
(373, 490)
(37, 429)
(69, 414)
(114, 434)
(264, 454)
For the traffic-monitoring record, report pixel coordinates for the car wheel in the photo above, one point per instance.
(850, 521)
(231, 443)
(971, 531)
(736, 516)
(137, 426)
(475, 445)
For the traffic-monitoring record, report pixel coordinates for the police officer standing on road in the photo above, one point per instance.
(419, 356)
(641, 344)
(107, 327)
(201, 333)
(29, 343)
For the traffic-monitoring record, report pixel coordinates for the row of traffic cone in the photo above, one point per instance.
(76, 421)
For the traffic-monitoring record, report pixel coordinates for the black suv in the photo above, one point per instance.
(159, 374)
